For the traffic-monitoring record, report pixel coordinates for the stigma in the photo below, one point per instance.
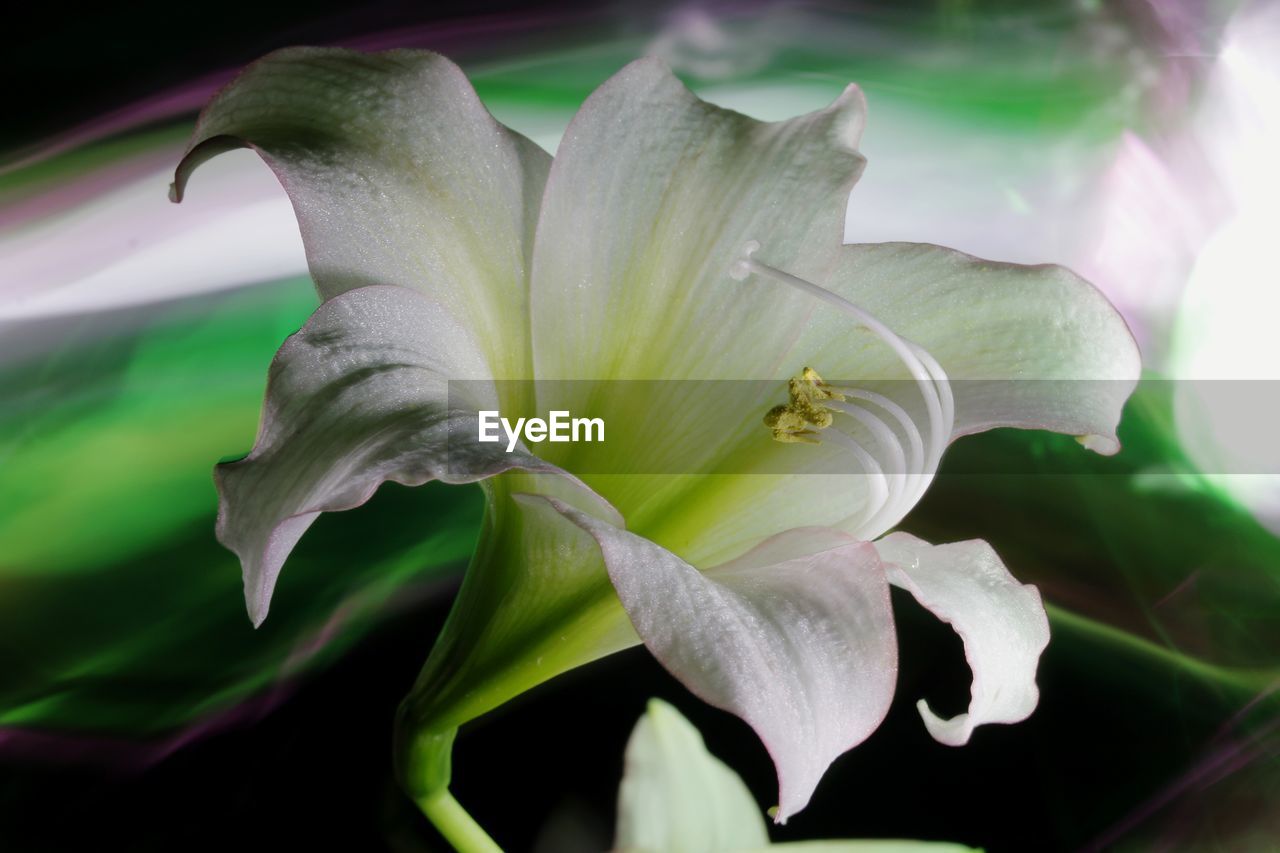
(899, 460)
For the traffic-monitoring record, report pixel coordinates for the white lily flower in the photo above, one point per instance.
(668, 240)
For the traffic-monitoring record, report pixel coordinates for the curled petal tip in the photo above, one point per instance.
(851, 105)
(1001, 622)
(1100, 444)
(852, 97)
(652, 61)
(953, 732)
(257, 602)
(647, 66)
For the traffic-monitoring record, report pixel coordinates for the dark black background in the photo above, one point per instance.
(317, 772)
(64, 63)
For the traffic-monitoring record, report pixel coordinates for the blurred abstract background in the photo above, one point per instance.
(1135, 142)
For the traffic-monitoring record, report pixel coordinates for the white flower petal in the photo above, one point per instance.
(359, 396)
(398, 175)
(802, 649)
(676, 797)
(1011, 325)
(1002, 623)
(1034, 347)
(651, 198)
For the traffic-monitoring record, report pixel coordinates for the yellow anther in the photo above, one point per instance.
(807, 436)
(799, 420)
(820, 387)
(789, 426)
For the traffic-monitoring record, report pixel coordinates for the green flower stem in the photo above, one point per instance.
(458, 827)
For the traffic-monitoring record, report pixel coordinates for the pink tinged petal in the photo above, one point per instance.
(359, 396)
(397, 174)
(795, 637)
(1002, 623)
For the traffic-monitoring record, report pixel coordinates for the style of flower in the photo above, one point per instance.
(671, 246)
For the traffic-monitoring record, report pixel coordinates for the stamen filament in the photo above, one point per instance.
(941, 382)
(900, 415)
(915, 481)
(879, 484)
(888, 504)
(890, 444)
(908, 356)
(883, 435)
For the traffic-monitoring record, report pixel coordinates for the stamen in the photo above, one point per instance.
(900, 415)
(812, 401)
(790, 426)
(879, 484)
(791, 422)
(941, 382)
(888, 444)
(914, 480)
